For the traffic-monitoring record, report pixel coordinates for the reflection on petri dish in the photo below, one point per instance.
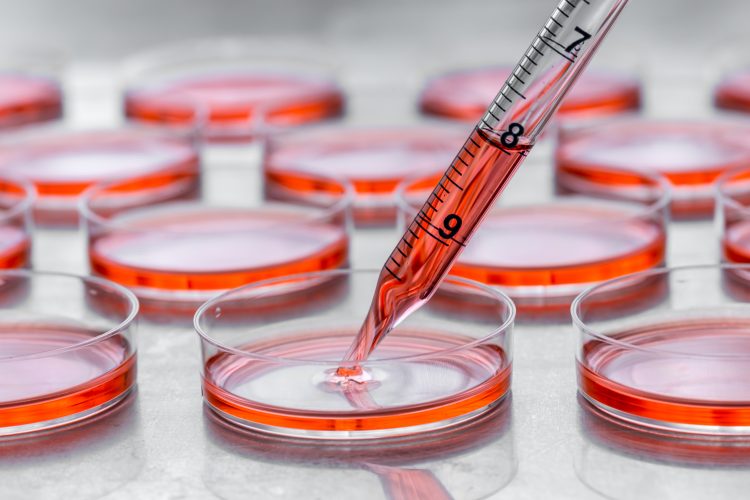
(66, 348)
(733, 92)
(463, 95)
(191, 247)
(16, 198)
(230, 89)
(680, 365)
(374, 160)
(543, 255)
(63, 163)
(26, 99)
(691, 155)
(278, 373)
(471, 460)
(623, 461)
(60, 462)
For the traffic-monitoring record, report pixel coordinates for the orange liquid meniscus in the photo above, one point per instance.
(53, 386)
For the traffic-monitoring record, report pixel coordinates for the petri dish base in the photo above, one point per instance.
(57, 367)
(419, 378)
(680, 365)
(28, 99)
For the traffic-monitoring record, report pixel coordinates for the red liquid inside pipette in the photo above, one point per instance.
(424, 255)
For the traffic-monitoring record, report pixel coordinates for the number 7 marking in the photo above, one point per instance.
(584, 36)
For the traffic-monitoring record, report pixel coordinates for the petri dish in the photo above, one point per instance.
(733, 215)
(16, 199)
(678, 366)
(30, 88)
(373, 159)
(209, 237)
(62, 163)
(691, 155)
(273, 369)
(465, 95)
(230, 89)
(471, 460)
(733, 92)
(67, 350)
(543, 254)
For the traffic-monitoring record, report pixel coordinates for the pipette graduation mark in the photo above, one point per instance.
(483, 167)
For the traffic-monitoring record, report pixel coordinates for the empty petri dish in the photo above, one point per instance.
(544, 254)
(465, 95)
(67, 350)
(230, 89)
(30, 89)
(176, 253)
(691, 155)
(62, 163)
(273, 368)
(373, 159)
(679, 365)
(16, 198)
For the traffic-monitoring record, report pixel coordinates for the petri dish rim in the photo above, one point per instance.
(636, 278)
(653, 208)
(203, 309)
(342, 205)
(25, 204)
(225, 48)
(132, 301)
(726, 198)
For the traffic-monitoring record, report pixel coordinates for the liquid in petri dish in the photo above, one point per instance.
(28, 99)
(388, 395)
(561, 244)
(184, 247)
(61, 165)
(705, 384)
(56, 385)
(236, 102)
(374, 160)
(464, 95)
(691, 155)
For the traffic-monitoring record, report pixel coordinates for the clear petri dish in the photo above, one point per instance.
(373, 159)
(271, 365)
(465, 95)
(30, 87)
(472, 460)
(691, 155)
(211, 236)
(543, 254)
(230, 89)
(679, 365)
(67, 350)
(61, 163)
(733, 215)
(16, 199)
